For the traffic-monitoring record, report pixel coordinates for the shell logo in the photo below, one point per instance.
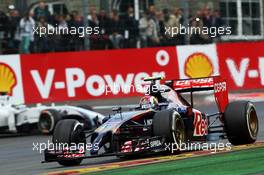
(198, 65)
(7, 79)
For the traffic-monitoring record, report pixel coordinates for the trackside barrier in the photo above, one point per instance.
(58, 77)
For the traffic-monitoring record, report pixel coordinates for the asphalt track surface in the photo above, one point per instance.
(17, 155)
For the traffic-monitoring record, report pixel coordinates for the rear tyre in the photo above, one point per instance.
(48, 120)
(170, 125)
(69, 131)
(241, 122)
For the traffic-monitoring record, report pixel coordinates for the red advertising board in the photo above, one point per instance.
(91, 75)
(69, 76)
(242, 64)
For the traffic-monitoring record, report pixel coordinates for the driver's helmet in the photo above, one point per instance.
(148, 102)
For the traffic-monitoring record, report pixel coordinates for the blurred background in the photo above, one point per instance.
(125, 23)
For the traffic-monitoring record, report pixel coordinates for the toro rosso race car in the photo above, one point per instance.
(163, 116)
(23, 119)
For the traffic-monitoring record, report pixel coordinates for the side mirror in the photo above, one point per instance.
(96, 121)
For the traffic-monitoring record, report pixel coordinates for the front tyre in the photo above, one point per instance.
(241, 122)
(170, 125)
(69, 131)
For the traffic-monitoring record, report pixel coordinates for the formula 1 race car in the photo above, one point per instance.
(23, 119)
(163, 117)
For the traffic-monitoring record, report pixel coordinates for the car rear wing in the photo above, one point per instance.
(216, 83)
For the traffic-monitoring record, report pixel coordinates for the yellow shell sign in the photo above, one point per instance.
(7, 79)
(198, 65)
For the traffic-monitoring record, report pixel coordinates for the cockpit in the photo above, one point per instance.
(162, 94)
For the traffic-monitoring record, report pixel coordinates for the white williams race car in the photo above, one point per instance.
(20, 118)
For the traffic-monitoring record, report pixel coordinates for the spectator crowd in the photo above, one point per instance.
(116, 31)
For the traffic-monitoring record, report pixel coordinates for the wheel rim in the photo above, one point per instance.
(78, 138)
(45, 123)
(179, 131)
(78, 135)
(252, 123)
